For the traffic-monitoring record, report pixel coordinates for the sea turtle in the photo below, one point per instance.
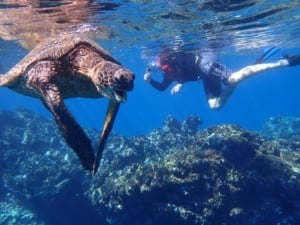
(66, 66)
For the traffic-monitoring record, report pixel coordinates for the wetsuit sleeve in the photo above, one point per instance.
(161, 86)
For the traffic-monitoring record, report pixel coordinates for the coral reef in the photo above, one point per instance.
(173, 175)
(222, 175)
(282, 127)
(13, 212)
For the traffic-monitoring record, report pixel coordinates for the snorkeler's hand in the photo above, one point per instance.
(147, 77)
(176, 89)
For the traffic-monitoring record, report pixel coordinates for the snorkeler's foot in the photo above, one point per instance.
(293, 60)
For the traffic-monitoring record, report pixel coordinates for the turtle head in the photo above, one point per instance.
(114, 82)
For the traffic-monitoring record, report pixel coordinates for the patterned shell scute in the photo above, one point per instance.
(55, 48)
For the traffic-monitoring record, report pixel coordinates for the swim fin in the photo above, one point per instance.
(293, 60)
(266, 55)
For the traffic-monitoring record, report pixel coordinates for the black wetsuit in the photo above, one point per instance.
(187, 67)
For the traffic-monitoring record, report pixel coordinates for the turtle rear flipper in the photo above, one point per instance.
(70, 129)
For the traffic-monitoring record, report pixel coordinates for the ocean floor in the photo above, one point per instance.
(177, 174)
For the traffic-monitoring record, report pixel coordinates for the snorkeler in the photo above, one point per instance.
(219, 82)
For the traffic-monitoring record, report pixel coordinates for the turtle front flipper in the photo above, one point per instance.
(70, 129)
(111, 113)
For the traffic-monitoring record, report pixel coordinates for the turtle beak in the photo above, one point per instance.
(111, 113)
(120, 96)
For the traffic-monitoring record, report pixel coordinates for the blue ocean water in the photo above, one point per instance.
(269, 94)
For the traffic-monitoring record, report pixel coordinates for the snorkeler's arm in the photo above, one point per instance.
(161, 86)
(151, 67)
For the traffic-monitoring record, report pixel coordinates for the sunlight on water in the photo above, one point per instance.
(31, 22)
(240, 25)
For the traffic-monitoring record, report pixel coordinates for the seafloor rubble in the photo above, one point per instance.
(176, 174)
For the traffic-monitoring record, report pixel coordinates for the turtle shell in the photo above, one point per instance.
(51, 48)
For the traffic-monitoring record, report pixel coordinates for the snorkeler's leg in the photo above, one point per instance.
(213, 91)
(218, 102)
(251, 70)
(212, 82)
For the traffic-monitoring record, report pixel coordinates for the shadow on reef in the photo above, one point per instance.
(42, 182)
(173, 175)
